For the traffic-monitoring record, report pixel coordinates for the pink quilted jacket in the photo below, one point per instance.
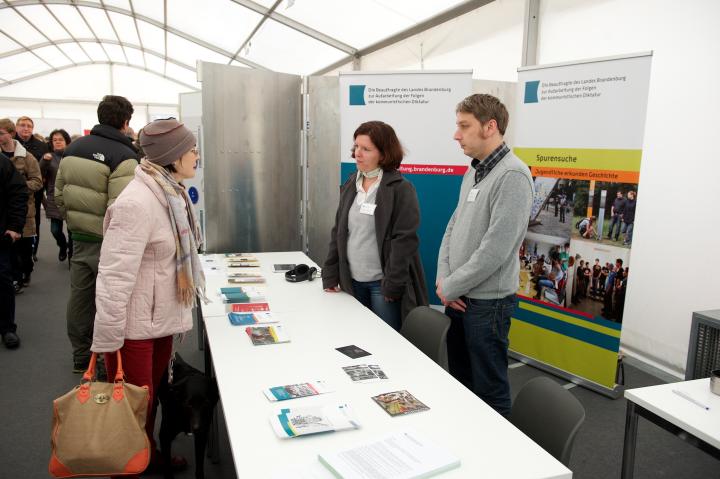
(136, 290)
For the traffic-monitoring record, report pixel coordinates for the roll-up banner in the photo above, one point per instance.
(420, 106)
(579, 127)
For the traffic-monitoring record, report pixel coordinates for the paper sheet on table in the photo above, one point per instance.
(404, 455)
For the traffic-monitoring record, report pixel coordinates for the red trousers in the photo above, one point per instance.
(144, 363)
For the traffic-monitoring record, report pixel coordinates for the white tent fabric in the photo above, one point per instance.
(165, 38)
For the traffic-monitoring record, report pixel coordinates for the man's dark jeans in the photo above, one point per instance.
(478, 346)
(7, 293)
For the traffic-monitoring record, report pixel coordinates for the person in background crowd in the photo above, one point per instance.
(596, 269)
(587, 228)
(373, 252)
(553, 279)
(616, 213)
(629, 217)
(478, 267)
(14, 196)
(565, 256)
(29, 168)
(59, 139)
(93, 173)
(150, 272)
(608, 307)
(37, 146)
(603, 278)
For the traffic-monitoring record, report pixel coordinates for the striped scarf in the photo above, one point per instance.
(190, 276)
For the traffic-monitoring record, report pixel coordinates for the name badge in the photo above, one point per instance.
(472, 195)
(367, 209)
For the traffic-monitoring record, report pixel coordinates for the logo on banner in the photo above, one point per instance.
(531, 91)
(357, 94)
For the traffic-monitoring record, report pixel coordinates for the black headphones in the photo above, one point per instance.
(301, 272)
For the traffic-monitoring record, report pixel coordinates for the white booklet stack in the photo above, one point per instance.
(310, 420)
(403, 455)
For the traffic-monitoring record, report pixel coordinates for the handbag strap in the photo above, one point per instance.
(83, 393)
(89, 375)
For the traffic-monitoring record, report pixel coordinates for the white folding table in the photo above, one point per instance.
(317, 323)
(682, 414)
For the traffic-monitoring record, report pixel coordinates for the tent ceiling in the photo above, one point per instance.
(167, 37)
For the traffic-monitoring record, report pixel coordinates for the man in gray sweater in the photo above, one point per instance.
(478, 264)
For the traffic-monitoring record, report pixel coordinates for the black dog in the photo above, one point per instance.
(187, 406)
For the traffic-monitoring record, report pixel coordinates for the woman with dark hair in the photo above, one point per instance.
(58, 140)
(373, 251)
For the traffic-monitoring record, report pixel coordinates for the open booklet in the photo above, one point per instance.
(293, 391)
(262, 335)
(404, 455)
(311, 420)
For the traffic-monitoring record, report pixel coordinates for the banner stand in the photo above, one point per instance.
(579, 128)
(615, 393)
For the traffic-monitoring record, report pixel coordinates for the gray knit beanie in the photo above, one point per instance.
(165, 141)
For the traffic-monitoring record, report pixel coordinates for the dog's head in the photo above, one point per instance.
(196, 396)
(192, 394)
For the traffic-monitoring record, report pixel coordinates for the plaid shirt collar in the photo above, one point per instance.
(484, 167)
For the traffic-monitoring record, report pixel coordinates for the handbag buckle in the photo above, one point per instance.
(101, 398)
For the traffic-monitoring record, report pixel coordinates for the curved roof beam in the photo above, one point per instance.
(90, 28)
(66, 30)
(93, 40)
(82, 64)
(297, 26)
(37, 29)
(137, 31)
(25, 49)
(128, 13)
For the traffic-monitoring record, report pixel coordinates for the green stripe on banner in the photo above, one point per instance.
(567, 328)
(598, 324)
(581, 158)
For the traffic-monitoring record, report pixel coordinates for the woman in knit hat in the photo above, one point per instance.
(149, 273)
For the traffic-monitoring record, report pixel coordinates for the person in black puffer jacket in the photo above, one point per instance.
(13, 209)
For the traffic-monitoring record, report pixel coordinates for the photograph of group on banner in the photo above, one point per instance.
(576, 253)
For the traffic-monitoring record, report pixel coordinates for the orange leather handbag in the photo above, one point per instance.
(99, 428)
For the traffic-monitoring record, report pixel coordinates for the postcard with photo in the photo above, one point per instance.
(293, 391)
(399, 403)
(365, 372)
(353, 351)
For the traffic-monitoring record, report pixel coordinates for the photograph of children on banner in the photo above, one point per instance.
(551, 213)
(597, 279)
(543, 270)
(604, 212)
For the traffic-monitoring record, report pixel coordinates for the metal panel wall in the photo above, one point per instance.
(251, 133)
(323, 160)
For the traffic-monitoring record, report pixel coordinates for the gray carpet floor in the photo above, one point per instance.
(41, 370)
